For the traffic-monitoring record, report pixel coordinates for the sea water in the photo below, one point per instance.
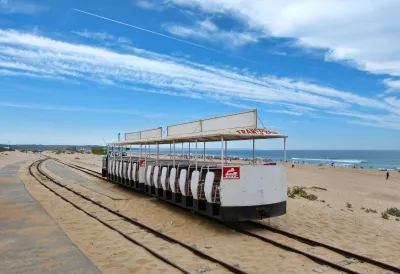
(368, 159)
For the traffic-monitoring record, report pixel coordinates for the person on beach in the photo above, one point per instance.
(387, 175)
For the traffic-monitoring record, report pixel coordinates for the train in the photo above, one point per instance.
(229, 192)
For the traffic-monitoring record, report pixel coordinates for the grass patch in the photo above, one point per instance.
(99, 151)
(370, 210)
(394, 211)
(298, 191)
(384, 215)
(348, 205)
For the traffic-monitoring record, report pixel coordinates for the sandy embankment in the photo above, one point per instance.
(333, 221)
(10, 157)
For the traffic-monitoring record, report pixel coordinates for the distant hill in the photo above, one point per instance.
(45, 147)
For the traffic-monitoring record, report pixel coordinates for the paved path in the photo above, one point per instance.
(30, 240)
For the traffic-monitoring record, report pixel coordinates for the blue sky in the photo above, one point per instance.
(327, 75)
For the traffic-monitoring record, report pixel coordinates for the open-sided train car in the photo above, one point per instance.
(222, 190)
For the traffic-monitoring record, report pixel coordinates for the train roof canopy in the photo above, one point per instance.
(210, 136)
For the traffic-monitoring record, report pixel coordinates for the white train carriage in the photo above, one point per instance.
(223, 190)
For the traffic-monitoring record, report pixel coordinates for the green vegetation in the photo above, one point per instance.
(99, 151)
(370, 210)
(384, 215)
(348, 205)
(394, 211)
(298, 191)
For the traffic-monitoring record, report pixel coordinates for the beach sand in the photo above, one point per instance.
(339, 220)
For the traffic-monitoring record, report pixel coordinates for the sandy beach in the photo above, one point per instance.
(337, 217)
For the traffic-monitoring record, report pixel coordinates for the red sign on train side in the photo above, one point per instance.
(259, 131)
(142, 163)
(231, 173)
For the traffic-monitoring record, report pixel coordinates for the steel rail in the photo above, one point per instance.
(165, 237)
(309, 242)
(330, 247)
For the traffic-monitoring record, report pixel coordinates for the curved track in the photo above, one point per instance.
(314, 243)
(310, 242)
(200, 254)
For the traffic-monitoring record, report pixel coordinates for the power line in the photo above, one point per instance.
(166, 36)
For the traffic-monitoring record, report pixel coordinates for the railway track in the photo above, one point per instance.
(64, 192)
(344, 264)
(348, 257)
(83, 169)
(345, 253)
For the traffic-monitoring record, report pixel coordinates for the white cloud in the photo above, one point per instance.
(375, 120)
(102, 36)
(207, 30)
(393, 85)
(393, 101)
(147, 5)
(294, 113)
(77, 109)
(94, 35)
(6, 72)
(363, 32)
(31, 55)
(381, 124)
(22, 7)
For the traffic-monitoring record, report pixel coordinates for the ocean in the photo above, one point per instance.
(368, 159)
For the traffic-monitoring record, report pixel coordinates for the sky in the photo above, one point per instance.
(325, 74)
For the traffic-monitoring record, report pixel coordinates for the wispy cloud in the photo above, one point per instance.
(78, 109)
(31, 55)
(375, 120)
(362, 32)
(207, 30)
(22, 7)
(104, 36)
(392, 84)
(294, 113)
(148, 5)
(146, 30)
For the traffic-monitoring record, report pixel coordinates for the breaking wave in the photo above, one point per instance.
(347, 161)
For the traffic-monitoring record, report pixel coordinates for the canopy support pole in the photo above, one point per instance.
(226, 152)
(145, 154)
(157, 146)
(254, 152)
(173, 158)
(284, 150)
(182, 152)
(222, 151)
(108, 152)
(189, 155)
(170, 153)
(196, 154)
(204, 156)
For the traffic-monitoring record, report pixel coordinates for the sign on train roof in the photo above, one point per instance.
(240, 120)
(231, 127)
(144, 134)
